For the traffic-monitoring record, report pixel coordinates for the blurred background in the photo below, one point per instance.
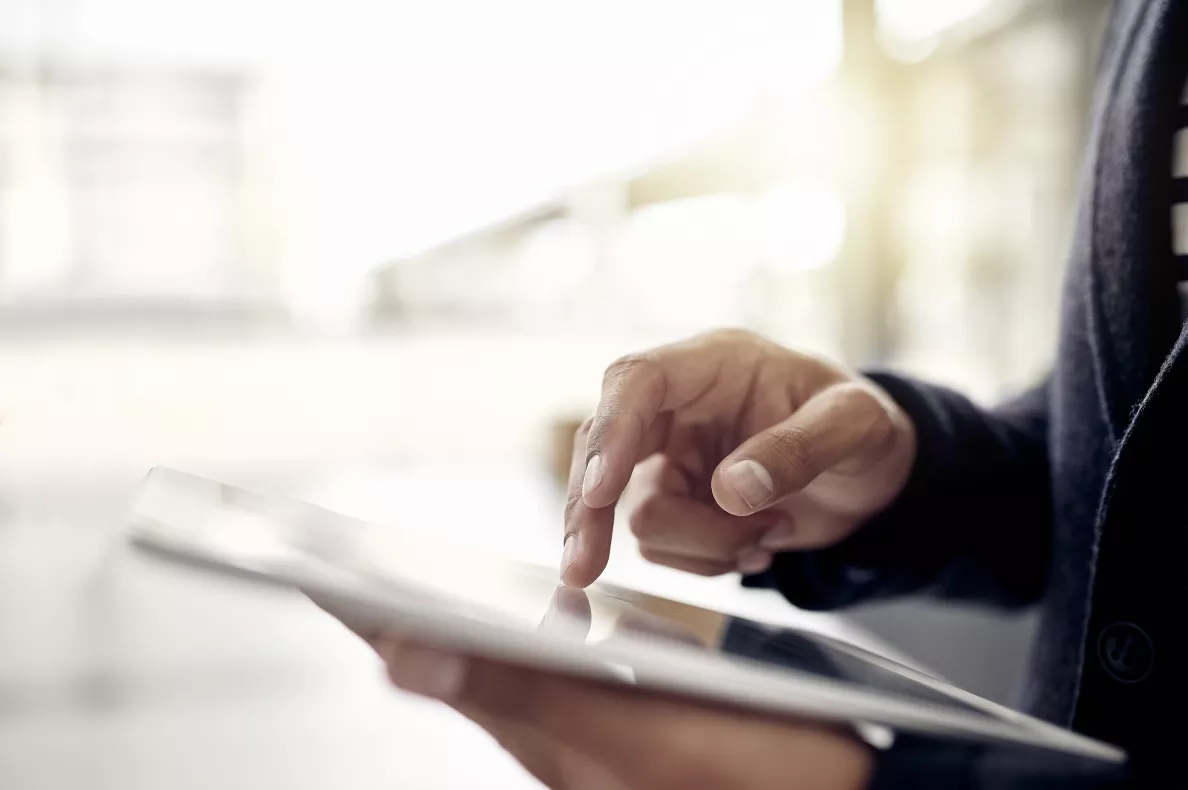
(378, 254)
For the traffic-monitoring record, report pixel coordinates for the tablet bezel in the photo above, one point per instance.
(367, 605)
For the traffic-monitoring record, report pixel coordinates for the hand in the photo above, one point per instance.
(580, 735)
(736, 448)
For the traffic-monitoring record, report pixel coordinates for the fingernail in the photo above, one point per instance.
(753, 561)
(593, 475)
(568, 553)
(430, 673)
(752, 482)
(779, 538)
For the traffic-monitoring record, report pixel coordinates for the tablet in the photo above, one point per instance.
(379, 578)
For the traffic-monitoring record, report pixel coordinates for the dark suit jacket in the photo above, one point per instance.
(1074, 497)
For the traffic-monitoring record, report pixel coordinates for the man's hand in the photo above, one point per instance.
(736, 448)
(580, 735)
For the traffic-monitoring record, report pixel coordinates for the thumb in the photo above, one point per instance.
(839, 424)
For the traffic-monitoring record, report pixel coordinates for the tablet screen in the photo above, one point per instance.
(273, 536)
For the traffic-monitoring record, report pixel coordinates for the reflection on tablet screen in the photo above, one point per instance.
(532, 597)
(262, 532)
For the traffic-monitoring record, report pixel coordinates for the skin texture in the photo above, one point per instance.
(821, 450)
(833, 448)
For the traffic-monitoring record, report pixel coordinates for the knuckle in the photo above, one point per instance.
(740, 344)
(594, 436)
(815, 372)
(791, 447)
(628, 365)
(822, 364)
(735, 336)
(571, 505)
(859, 400)
(587, 435)
(865, 410)
(632, 387)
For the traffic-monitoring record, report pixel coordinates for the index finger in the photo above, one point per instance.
(629, 425)
(568, 614)
(636, 391)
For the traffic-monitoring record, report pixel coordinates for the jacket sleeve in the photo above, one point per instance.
(974, 521)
